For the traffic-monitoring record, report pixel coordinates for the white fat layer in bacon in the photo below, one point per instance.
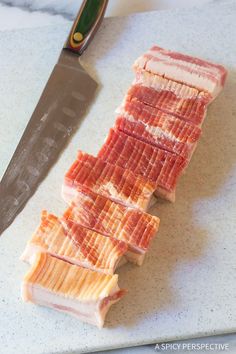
(122, 261)
(29, 253)
(154, 130)
(193, 148)
(189, 65)
(91, 312)
(164, 194)
(135, 258)
(109, 186)
(121, 110)
(69, 193)
(183, 71)
(202, 83)
(31, 250)
(153, 201)
(160, 83)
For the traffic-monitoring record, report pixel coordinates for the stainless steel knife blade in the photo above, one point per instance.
(66, 96)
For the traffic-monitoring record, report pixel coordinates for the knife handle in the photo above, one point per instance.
(85, 25)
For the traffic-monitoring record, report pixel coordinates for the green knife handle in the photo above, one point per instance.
(86, 24)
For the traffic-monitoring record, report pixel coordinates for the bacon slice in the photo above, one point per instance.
(75, 244)
(68, 288)
(155, 127)
(171, 97)
(115, 182)
(157, 165)
(183, 68)
(101, 214)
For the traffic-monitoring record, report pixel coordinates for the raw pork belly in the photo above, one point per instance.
(160, 129)
(153, 163)
(74, 290)
(115, 182)
(74, 257)
(189, 70)
(101, 214)
(75, 244)
(171, 97)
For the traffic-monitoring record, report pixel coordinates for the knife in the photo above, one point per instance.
(65, 98)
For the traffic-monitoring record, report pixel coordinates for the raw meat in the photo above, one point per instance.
(155, 127)
(171, 97)
(157, 165)
(104, 178)
(101, 214)
(75, 244)
(183, 68)
(68, 288)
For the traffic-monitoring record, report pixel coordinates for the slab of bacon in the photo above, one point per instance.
(157, 128)
(157, 165)
(171, 97)
(75, 244)
(74, 257)
(192, 71)
(112, 181)
(71, 289)
(101, 214)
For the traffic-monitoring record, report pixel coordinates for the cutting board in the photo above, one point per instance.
(186, 287)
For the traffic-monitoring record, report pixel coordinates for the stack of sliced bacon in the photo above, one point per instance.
(74, 257)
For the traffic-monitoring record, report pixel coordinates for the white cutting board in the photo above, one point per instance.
(186, 287)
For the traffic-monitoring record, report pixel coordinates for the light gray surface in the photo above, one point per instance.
(186, 287)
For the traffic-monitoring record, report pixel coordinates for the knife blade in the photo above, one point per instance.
(65, 98)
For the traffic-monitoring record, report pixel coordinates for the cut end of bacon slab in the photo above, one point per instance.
(102, 215)
(157, 128)
(157, 165)
(112, 181)
(68, 288)
(192, 71)
(75, 244)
